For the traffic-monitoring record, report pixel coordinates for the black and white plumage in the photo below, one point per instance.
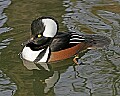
(47, 42)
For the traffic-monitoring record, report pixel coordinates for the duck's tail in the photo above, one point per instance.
(95, 41)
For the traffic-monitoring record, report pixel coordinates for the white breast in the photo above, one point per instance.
(31, 55)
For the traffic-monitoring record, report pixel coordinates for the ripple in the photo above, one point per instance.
(79, 14)
(5, 43)
(100, 75)
(7, 87)
(3, 18)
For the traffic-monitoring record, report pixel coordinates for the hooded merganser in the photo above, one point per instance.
(49, 45)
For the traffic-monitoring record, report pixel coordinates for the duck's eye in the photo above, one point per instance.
(38, 35)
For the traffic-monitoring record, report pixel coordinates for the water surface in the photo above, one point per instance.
(99, 76)
(7, 86)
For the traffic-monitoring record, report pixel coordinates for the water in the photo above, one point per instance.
(7, 87)
(3, 18)
(99, 76)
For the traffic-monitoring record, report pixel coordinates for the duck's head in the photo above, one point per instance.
(43, 30)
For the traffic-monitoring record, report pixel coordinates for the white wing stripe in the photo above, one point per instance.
(75, 42)
(77, 39)
(76, 35)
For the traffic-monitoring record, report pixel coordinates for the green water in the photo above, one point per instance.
(100, 76)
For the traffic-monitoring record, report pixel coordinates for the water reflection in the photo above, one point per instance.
(3, 18)
(44, 77)
(5, 43)
(78, 17)
(102, 75)
(99, 77)
(7, 87)
(44, 83)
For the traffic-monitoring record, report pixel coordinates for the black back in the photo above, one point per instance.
(60, 42)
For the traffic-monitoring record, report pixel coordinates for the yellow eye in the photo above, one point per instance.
(39, 35)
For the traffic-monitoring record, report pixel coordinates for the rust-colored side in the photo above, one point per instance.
(67, 53)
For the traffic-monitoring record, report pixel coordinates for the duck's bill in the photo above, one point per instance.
(38, 42)
(27, 42)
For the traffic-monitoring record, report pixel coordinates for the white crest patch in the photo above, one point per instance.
(50, 27)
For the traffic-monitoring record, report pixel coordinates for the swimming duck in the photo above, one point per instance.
(48, 45)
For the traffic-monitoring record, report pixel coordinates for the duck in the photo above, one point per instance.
(47, 44)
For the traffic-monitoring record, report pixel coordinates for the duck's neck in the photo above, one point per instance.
(33, 46)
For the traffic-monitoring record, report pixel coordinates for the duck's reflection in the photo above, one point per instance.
(44, 77)
(44, 82)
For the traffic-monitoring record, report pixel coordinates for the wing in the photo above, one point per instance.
(64, 40)
(76, 38)
(94, 40)
(60, 42)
